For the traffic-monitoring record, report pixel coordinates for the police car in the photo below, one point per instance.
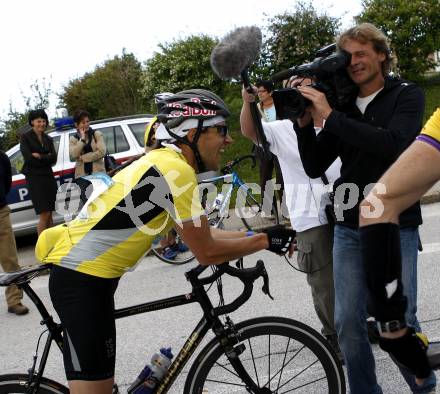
(124, 138)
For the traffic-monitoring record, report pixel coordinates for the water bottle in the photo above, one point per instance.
(219, 201)
(152, 373)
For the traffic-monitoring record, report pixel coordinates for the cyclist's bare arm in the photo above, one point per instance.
(405, 182)
(212, 250)
(226, 234)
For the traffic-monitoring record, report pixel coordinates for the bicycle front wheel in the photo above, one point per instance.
(281, 356)
(17, 383)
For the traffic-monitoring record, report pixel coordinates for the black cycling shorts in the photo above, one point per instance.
(85, 305)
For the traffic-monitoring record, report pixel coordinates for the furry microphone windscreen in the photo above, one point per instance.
(236, 51)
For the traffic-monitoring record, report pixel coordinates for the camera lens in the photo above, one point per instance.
(289, 103)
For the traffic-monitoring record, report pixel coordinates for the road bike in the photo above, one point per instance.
(254, 214)
(262, 355)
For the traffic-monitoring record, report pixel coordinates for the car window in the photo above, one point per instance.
(115, 140)
(56, 143)
(138, 130)
(17, 162)
(17, 159)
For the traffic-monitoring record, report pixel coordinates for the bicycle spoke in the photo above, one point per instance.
(253, 361)
(222, 382)
(269, 364)
(283, 365)
(282, 368)
(302, 386)
(299, 373)
(226, 369)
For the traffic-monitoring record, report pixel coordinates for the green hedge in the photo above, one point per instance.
(431, 86)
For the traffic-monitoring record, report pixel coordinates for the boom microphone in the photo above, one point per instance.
(236, 51)
(231, 58)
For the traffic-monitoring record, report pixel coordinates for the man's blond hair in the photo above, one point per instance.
(367, 32)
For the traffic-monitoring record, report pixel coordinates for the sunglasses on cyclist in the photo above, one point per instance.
(222, 130)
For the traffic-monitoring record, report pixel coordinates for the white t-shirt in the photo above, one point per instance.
(362, 102)
(306, 198)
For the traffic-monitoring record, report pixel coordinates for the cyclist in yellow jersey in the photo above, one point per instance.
(154, 193)
(405, 182)
(170, 248)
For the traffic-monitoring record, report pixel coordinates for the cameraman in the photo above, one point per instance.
(306, 200)
(368, 136)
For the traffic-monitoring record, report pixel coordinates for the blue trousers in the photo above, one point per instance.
(351, 297)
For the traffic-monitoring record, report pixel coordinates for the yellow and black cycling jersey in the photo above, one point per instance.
(147, 199)
(431, 131)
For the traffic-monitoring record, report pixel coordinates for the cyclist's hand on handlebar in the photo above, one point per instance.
(280, 239)
(248, 97)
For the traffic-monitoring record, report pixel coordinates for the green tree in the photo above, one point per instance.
(294, 36)
(16, 120)
(413, 28)
(179, 65)
(111, 89)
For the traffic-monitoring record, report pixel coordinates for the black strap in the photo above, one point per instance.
(324, 179)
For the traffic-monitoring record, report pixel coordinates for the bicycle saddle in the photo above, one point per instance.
(25, 275)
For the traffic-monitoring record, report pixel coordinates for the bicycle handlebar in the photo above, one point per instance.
(247, 276)
(228, 167)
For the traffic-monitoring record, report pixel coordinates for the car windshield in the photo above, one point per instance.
(138, 130)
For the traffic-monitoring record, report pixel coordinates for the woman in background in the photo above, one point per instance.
(86, 146)
(39, 156)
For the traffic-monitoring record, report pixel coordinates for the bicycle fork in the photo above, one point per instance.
(229, 338)
(54, 334)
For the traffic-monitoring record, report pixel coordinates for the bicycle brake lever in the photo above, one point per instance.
(265, 287)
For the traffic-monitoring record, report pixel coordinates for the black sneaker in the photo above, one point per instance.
(333, 341)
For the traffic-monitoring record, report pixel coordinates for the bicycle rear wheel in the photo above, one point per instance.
(255, 215)
(16, 383)
(281, 356)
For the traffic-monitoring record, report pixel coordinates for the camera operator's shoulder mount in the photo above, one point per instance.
(329, 74)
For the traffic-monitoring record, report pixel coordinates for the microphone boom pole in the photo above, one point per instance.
(261, 137)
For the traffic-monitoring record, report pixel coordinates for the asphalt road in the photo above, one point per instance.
(139, 337)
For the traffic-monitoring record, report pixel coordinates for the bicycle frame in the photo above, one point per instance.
(210, 320)
(234, 182)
